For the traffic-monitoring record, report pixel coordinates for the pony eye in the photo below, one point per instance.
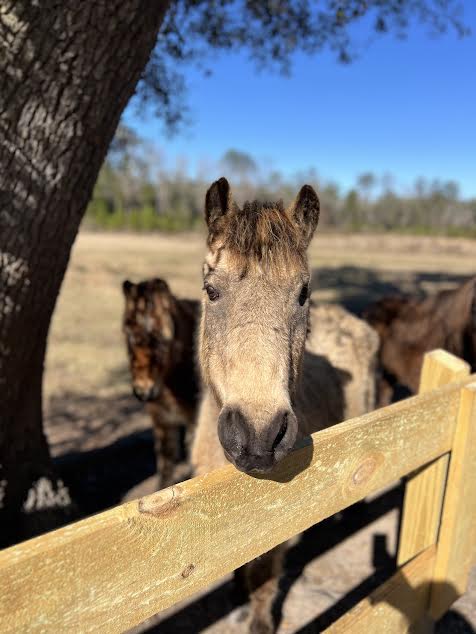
(303, 295)
(212, 293)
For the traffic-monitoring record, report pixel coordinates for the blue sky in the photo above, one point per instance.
(404, 107)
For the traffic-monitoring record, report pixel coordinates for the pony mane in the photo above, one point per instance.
(262, 232)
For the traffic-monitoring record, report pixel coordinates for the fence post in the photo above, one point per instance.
(425, 488)
(456, 547)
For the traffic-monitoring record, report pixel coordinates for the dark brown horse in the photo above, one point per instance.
(159, 331)
(409, 327)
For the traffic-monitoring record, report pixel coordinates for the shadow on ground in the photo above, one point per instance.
(454, 623)
(100, 478)
(356, 287)
(80, 422)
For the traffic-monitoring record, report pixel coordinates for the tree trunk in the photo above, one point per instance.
(67, 70)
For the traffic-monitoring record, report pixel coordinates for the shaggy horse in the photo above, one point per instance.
(262, 390)
(159, 330)
(409, 327)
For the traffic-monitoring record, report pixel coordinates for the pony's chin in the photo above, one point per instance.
(245, 467)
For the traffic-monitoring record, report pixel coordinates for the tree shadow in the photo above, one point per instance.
(99, 478)
(79, 422)
(357, 286)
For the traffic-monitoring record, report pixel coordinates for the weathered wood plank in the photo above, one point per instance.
(113, 570)
(424, 490)
(398, 605)
(440, 368)
(422, 504)
(457, 538)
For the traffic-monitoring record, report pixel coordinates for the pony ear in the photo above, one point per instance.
(159, 284)
(304, 212)
(218, 201)
(127, 287)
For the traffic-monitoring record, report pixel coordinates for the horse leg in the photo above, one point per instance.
(384, 392)
(262, 578)
(167, 452)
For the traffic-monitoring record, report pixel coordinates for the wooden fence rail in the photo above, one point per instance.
(111, 571)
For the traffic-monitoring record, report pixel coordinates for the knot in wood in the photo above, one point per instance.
(365, 470)
(187, 571)
(161, 504)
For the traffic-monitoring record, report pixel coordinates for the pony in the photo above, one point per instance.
(409, 327)
(262, 390)
(159, 331)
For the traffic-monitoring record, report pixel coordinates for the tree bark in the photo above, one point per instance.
(67, 70)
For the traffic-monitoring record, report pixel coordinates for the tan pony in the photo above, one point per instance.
(262, 390)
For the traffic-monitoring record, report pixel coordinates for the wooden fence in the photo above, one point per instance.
(113, 570)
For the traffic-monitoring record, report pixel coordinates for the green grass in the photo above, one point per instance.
(142, 219)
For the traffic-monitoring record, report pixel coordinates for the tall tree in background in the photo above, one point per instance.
(366, 182)
(67, 71)
(239, 163)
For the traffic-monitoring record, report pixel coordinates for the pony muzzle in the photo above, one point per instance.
(253, 447)
(146, 392)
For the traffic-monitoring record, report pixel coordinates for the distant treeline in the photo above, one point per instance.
(135, 192)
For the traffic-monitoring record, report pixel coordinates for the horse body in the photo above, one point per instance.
(159, 331)
(351, 346)
(409, 327)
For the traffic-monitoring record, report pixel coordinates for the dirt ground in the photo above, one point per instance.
(101, 437)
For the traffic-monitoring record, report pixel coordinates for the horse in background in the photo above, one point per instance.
(159, 330)
(262, 389)
(409, 327)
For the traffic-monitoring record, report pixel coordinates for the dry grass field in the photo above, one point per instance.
(101, 437)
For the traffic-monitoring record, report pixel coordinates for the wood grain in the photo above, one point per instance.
(398, 605)
(422, 505)
(440, 368)
(424, 490)
(111, 571)
(457, 539)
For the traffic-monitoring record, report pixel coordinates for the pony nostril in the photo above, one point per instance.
(145, 394)
(153, 392)
(233, 431)
(282, 432)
